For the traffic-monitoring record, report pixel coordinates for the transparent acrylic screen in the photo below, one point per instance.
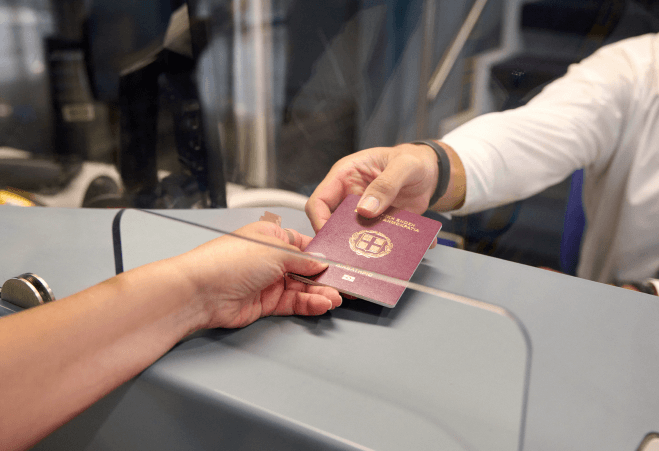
(294, 87)
(438, 371)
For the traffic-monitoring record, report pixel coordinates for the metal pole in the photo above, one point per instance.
(444, 67)
(428, 20)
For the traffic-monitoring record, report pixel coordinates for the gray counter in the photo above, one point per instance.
(429, 374)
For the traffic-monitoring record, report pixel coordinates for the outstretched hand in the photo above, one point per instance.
(50, 374)
(241, 280)
(403, 176)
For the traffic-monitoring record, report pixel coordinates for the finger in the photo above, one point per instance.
(294, 302)
(434, 243)
(330, 293)
(264, 230)
(381, 192)
(294, 262)
(311, 304)
(295, 285)
(305, 240)
(297, 239)
(305, 266)
(291, 237)
(328, 195)
(318, 211)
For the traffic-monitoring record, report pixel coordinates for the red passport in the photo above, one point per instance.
(393, 244)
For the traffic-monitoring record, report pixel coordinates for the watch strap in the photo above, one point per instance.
(444, 166)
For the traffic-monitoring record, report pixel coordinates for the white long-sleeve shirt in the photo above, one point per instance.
(603, 115)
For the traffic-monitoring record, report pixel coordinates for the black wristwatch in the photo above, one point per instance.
(444, 165)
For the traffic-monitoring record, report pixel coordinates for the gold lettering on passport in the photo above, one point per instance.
(370, 244)
(400, 223)
(358, 271)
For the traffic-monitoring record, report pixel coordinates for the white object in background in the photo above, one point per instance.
(74, 193)
(237, 196)
(11, 153)
(240, 197)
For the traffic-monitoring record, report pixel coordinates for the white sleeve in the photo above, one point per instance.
(574, 122)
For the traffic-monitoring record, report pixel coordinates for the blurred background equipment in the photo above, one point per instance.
(15, 198)
(166, 70)
(212, 103)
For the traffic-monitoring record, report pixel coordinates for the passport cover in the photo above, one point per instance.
(393, 244)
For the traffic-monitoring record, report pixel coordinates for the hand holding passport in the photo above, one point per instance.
(392, 244)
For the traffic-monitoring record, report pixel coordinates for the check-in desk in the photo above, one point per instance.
(509, 357)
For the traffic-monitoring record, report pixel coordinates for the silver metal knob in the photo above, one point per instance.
(27, 290)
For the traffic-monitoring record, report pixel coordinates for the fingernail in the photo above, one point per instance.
(291, 237)
(369, 203)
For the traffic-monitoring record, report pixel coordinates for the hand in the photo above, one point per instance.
(240, 281)
(50, 374)
(403, 176)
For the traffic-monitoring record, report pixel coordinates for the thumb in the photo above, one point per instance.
(382, 191)
(303, 264)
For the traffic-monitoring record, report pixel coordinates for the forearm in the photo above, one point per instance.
(59, 358)
(575, 122)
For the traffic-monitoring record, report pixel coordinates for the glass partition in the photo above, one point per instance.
(298, 85)
(438, 371)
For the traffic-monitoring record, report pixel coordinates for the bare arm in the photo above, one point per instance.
(59, 358)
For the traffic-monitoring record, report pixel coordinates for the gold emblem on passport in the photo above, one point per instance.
(370, 244)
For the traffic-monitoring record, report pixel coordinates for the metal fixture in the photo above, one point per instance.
(27, 290)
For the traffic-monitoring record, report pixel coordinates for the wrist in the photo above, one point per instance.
(425, 154)
(457, 187)
(451, 196)
(169, 291)
(443, 170)
(191, 287)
